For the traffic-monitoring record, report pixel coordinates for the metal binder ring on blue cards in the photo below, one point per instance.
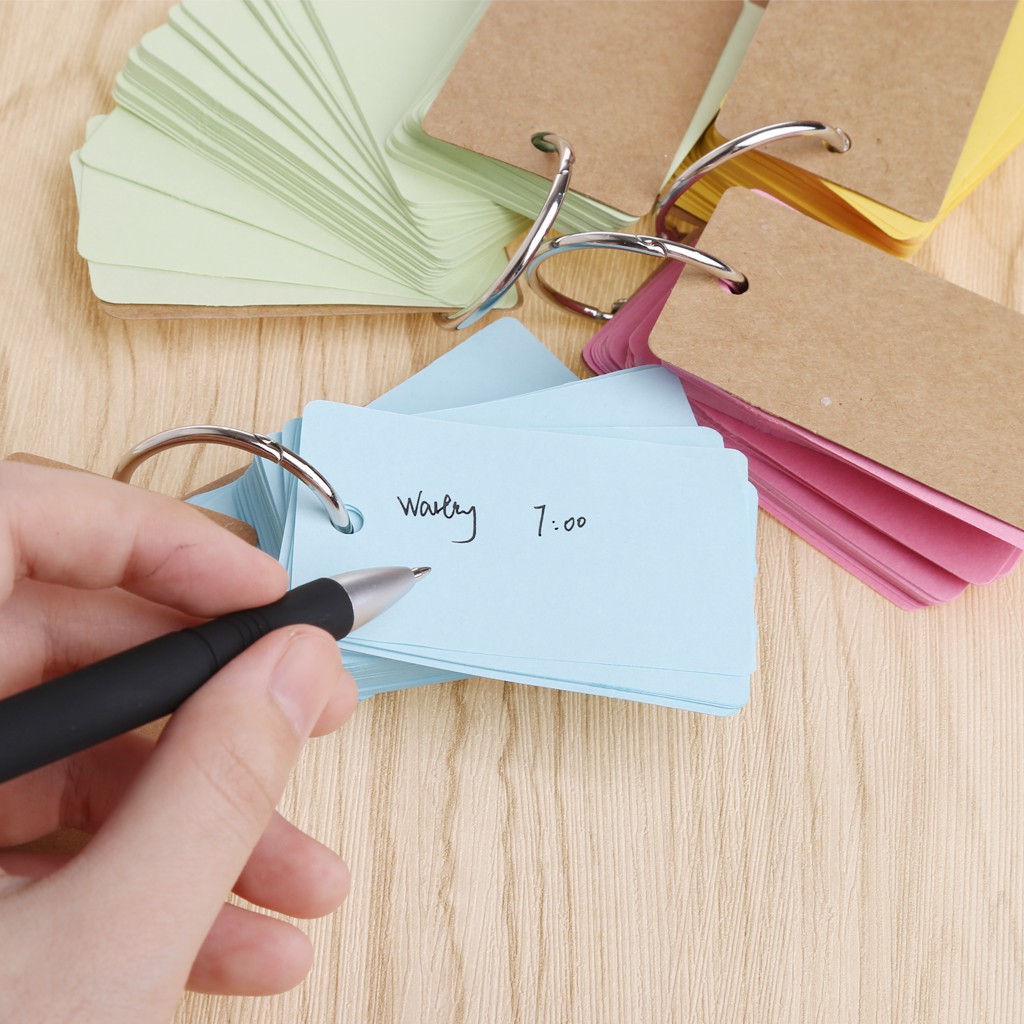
(834, 138)
(254, 444)
(644, 245)
(548, 142)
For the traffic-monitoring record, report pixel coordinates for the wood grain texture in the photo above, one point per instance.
(846, 849)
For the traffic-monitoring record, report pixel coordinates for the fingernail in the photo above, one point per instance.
(302, 680)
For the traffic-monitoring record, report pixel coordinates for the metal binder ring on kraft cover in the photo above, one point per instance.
(665, 245)
(835, 139)
(548, 142)
(255, 444)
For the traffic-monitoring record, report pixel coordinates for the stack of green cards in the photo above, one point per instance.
(246, 163)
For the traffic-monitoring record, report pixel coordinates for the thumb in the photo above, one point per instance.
(162, 865)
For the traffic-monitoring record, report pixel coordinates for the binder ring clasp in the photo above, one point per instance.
(549, 142)
(254, 444)
(645, 245)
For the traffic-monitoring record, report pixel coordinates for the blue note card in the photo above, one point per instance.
(585, 535)
(564, 551)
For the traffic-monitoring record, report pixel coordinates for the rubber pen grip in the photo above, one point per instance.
(127, 690)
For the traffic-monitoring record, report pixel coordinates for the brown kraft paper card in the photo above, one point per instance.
(858, 347)
(902, 79)
(619, 79)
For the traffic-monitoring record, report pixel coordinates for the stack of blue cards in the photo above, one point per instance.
(585, 535)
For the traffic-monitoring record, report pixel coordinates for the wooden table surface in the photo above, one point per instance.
(848, 848)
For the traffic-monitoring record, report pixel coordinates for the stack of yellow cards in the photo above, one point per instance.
(931, 94)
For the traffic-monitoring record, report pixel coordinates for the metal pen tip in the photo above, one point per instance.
(420, 572)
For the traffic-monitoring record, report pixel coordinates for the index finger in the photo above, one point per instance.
(62, 526)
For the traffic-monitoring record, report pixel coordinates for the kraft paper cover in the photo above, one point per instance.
(902, 79)
(858, 347)
(619, 80)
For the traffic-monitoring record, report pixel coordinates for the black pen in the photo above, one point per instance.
(98, 702)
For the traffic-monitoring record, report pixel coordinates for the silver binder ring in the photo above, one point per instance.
(254, 444)
(644, 245)
(548, 142)
(834, 138)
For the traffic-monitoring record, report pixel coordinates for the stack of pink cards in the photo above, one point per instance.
(912, 543)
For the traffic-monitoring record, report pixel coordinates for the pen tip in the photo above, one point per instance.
(420, 572)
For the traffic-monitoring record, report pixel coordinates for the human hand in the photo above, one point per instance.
(116, 932)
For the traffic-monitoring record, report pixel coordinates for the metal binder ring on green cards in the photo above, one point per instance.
(254, 444)
(548, 142)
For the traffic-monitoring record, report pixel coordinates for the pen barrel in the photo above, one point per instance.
(125, 691)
